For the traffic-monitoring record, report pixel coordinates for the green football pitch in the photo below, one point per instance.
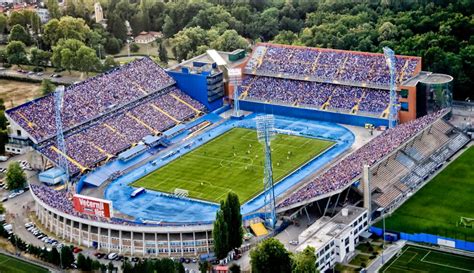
(420, 259)
(438, 207)
(232, 162)
(14, 265)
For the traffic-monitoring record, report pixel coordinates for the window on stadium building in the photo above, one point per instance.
(404, 93)
(404, 106)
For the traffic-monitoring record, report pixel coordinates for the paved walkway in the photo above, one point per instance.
(389, 252)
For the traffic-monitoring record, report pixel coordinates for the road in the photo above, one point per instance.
(65, 78)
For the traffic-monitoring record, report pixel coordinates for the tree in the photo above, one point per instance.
(230, 40)
(53, 9)
(116, 26)
(16, 53)
(87, 60)
(270, 256)
(47, 87)
(163, 53)
(39, 57)
(304, 262)
(234, 268)
(17, 18)
(110, 267)
(205, 266)
(18, 33)
(65, 28)
(109, 63)
(113, 45)
(3, 140)
(3, 23)
(67, 257)
(220, 234)
(65, 54)
(233, 219)
(387, 31)
(81, 261)
(134, 47)
(55, 256)
(15, 177)
(179, 267)
(285, 37)
(188, 42)
(3, 56)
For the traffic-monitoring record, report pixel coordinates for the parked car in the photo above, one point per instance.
(76, 250)
(112, 256)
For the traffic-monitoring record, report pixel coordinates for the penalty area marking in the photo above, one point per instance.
(444, 265)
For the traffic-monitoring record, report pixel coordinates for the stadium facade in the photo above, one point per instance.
(133, 117)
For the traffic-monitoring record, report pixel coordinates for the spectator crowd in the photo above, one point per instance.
(330, 64)
(92, 98)
(314, 94)
(348, 169)
(107, 114)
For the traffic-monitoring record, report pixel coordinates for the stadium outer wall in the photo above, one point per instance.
(306, 113)
(146, 240)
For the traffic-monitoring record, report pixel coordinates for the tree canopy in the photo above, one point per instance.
(270, 256)
(15, 177)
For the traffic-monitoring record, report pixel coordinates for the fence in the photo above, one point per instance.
(429, 239)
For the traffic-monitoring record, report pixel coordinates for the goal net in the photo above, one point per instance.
(466, 222)
(181, 193)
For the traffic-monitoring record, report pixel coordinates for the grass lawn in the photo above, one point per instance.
(437, 207)
(13, 265)
(419, 259)
(232, 162)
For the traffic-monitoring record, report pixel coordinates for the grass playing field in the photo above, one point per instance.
(13, 265)
(232, 162)
(419, 259)
(437, 207)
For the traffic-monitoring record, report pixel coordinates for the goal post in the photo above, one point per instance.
(181, 192)
(466, 222)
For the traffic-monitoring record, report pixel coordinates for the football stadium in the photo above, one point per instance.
(137, 160)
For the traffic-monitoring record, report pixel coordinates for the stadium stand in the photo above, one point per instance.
(400, 173)
(391, 179)
(92, 98)
(107, 114)
(322, 65)
(324, 79)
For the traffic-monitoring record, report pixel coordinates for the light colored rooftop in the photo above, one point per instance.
(324, 229)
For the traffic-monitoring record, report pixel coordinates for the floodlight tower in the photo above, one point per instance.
(58, 105)
(235, 78)
(265, 133)
(391, 63)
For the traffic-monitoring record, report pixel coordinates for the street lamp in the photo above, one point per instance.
(383, 233)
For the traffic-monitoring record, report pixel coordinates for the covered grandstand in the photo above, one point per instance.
(334, 84)
(107, 114)
(400, 160)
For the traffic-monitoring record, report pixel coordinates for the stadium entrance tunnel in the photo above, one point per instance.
(165, 207)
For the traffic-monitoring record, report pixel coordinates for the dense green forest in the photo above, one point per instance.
(441, 32)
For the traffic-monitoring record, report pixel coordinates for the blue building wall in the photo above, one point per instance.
(427, 238)
(195, 85)
(311, 114)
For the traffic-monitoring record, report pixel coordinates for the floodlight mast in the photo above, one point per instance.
(235, 78)
(265, 133)
(63, 164)
(393, 105)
